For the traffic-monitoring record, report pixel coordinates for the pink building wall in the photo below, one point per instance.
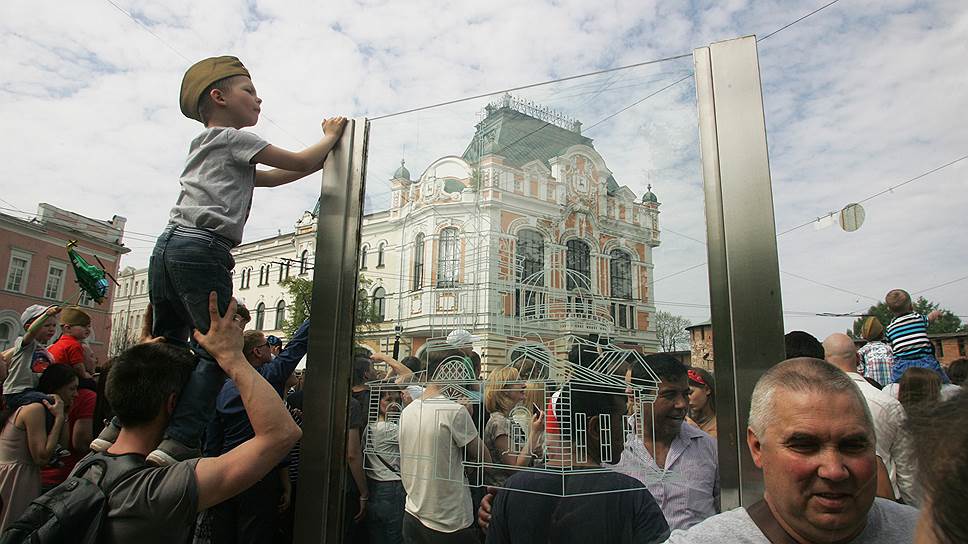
(44, 240)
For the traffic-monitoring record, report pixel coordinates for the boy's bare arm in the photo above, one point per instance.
(299, 163)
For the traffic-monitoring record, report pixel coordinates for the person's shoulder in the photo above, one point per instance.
(896, 513)
(697, 435)
(890, 522)
(730, 526)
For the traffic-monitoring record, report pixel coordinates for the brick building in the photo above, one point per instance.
(701, 345)
(950, 346)
(35, 269)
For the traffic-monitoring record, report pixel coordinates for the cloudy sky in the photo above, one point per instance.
(860, 97)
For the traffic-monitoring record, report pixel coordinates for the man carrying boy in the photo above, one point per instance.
(908, 336)
(192, 256)
(68, 350)
(28, 356)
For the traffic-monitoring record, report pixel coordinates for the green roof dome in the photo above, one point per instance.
(402, 172)
(649, 196)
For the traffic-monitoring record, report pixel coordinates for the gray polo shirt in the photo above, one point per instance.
(217, 182)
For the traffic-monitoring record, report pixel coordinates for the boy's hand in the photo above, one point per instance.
(53, 310)
(224, 338)
(334, 126)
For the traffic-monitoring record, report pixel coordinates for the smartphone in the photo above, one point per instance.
(535, 409)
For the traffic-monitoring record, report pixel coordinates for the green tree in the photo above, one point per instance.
(948, 322)
(300, 292)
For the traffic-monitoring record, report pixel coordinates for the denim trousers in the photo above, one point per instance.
(925, 361)
(384, 511)
(182, 271)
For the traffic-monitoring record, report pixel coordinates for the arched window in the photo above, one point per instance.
(363, 253)
(302, 262)
(620, 274)
(260, 316)
(282, 267)
(448, 258)
(262, 275)
(578, 261)
(379, 304)
(530, 257)
(280, 314)
(268, 271)
(380, 251)
(418, 261)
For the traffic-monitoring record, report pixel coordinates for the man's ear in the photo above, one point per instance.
(171, 403)
(593, 437)
(756, 447)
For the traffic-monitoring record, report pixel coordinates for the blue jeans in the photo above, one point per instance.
(384, 511)
(182, 271)
(925, 361)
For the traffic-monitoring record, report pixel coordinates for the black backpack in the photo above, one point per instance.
(74, 511)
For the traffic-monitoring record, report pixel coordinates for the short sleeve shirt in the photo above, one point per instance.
(155, 505)
(67, 350)
(497, 425)
(433, 432)
(218, 181)
(27, 359)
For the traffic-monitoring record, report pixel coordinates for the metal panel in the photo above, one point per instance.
(319, 508)
(744, 277)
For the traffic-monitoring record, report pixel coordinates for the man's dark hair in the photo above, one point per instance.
(586, 404)
(55, 377)
(413, 363)
(436, 358)
(143, 377)
(361, 367)
(803, 344)
(944, 476)
(666, 367)
(958, 371)
(582, 354)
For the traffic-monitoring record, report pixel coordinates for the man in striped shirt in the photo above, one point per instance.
(908, 335)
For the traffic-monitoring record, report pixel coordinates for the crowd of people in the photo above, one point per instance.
(194, 433)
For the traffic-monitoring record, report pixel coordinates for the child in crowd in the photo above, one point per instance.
(29, 357)
(68, 349)
(908, 336)
(192, 256)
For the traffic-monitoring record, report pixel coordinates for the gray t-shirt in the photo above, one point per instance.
(157, 504)
(20, 374)
(217, 182)
(887, 521)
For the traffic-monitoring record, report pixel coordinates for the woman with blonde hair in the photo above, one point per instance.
(504, 394)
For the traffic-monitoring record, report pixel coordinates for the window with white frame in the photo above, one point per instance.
(280, 314)
(379, 304)
(581, 438)
(418, 261)
(381, 255)
(620, 274)
(363, 253)
(578, 262)
(9, 330)
(448, 258)
(56, 272)
(260, 316)
(605, 437)
(18, 271)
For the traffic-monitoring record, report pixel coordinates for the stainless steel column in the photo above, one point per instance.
(322, 469)
(744, 277)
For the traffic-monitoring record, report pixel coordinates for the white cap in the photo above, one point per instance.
(32, 313)
(460, 338)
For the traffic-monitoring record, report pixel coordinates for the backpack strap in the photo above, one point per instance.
(107, 471)
(766, 522)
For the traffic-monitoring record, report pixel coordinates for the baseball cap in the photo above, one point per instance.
(32, 313)
(459, 338)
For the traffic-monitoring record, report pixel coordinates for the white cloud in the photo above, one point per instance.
(862, 95)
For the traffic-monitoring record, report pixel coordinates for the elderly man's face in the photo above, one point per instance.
(818, 465)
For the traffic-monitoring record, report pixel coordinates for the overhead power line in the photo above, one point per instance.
(788, 25)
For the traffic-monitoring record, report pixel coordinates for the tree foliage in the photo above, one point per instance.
(670, 331)
(300, 291)
(948, 322)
